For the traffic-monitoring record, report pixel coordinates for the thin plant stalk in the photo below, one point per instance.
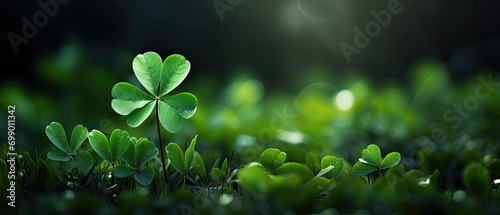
(159, 137)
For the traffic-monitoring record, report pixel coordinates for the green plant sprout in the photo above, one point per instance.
(272, 158)
(158, 78)
(371, 161)
(138, 153)
(181, 163)
(56, 134)
(221, 175)
(114, 149)
(110, 151)
(218, 174)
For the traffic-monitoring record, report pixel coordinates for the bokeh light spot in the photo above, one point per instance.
(344, 100)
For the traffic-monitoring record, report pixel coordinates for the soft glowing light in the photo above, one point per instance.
(344, 100)
(292, 137)
(459, 196)
(225, 199)
(424, 181)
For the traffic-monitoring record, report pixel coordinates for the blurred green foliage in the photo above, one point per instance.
(449, 158)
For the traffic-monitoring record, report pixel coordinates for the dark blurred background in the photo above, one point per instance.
(276, 39)
(66, 71)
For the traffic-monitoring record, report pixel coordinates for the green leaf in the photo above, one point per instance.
(434, 180)
(58, 156)
(146, 151)
(174, 154)
(130, 154)
(198, 164)
(254, 179)
(99, 143)
(122, 171)
(83, 161)
(183, 103)
(173, 108)
(138, 116)
(337, 163)
(147, 68)
(316, 185)
(217, 174)
(391, 159)
(144, 176)
(324, 171)
(286, 186)
(313, 161)
(159, 78)
(127, 98)
(95, 157)
(297, 168)
(67, 167)
(224, 166)
(338, 168)
(477, 180)
(361, 168)
(188, 157)
(169, 118)
(118, 144)
(371, 155)
(79, 135)
(413, 175)
(56, 134)
(175, 68)
(371, 160)
(272, 158)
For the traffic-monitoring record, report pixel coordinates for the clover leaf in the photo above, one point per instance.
(112, 150)
(371, 160)
(272, 158)
(56, 134)
(297, 168)
(477, 180)
(138, 153)
(219, 174)
(198, 165)
(337, 165)
(158, 78)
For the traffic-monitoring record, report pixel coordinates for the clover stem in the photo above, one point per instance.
(161, 145)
